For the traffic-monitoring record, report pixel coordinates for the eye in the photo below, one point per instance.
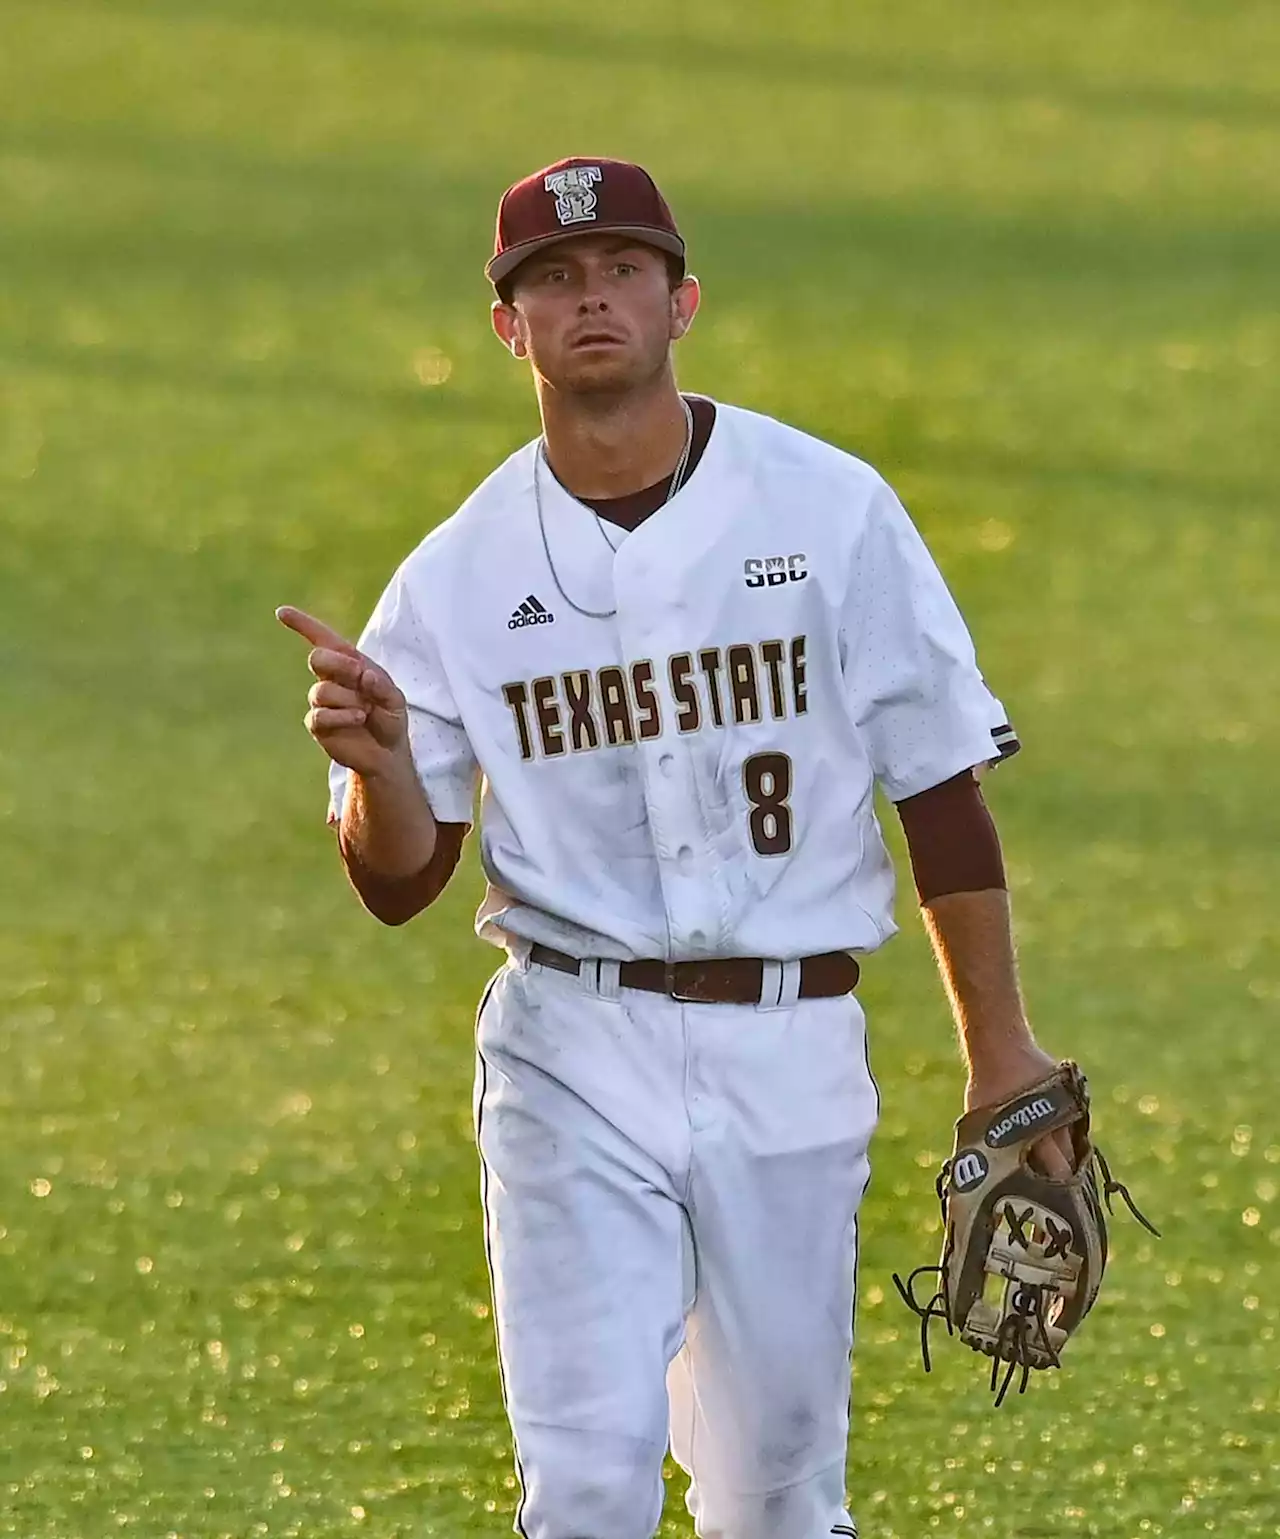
(625, 269)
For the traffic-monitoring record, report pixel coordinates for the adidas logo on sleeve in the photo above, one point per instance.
(530, 612)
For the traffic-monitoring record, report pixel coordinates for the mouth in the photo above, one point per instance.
(589, 339)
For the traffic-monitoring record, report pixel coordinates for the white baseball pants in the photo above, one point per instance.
(670, 1196)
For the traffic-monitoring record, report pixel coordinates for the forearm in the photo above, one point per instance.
(959, 870)
(972, 938)
(387, 824)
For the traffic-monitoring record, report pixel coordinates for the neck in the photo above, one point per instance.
(610, 446)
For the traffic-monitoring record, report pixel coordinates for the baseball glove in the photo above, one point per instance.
(1022, 1255)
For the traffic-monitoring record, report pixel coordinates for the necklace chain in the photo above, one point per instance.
(677, 481)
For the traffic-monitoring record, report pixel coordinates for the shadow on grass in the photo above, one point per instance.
(238, 218)
(766, 62)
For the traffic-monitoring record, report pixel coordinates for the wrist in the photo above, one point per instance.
(994, 1035)
(998, 1037)
(1002, 1069)
(393, 770)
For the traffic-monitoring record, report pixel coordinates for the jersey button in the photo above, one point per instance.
(684, 856)
(666, 763)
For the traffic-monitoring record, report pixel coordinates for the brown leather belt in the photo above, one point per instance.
(717, 980)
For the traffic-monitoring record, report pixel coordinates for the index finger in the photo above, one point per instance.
(1052, 1158)
(315, 631)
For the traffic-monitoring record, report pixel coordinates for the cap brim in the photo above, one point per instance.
(507, 261)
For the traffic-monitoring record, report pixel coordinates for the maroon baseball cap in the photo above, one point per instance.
(580, 197)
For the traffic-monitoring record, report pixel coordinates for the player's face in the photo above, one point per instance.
(595, 314)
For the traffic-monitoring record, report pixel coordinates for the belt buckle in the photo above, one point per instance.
(669, 984)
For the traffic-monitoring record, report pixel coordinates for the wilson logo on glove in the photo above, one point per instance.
(1020, 1119)
(968, 1170)
(1022, 1255)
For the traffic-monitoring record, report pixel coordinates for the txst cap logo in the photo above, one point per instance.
(595, 196)
(1026, 1116)
(575, 201)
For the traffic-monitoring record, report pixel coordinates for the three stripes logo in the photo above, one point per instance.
(530, 612)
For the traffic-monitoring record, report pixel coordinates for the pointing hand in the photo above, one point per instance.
(357, 714)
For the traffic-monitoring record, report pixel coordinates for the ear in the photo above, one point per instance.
(685, 299)
(509, 329)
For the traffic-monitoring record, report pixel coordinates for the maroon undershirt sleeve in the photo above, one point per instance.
(951, 839)
(397, 899)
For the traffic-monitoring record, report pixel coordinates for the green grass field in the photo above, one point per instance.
(1023, 260)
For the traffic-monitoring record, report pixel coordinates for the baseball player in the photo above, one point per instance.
(676, 645)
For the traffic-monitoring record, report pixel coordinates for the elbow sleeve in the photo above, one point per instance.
(396, 899)
(952, 839)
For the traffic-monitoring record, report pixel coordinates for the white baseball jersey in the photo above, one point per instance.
(693, 775)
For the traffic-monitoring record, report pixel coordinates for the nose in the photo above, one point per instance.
(593, 301)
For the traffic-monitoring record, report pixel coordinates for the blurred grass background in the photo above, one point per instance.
(1023, 260)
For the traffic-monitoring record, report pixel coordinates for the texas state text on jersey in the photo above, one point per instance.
(585, 708)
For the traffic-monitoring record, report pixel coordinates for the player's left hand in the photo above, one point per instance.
(1002, 1073)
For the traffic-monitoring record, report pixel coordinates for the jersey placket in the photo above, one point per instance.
(653, 622)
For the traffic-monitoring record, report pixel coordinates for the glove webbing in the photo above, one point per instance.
(1016, 1332)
